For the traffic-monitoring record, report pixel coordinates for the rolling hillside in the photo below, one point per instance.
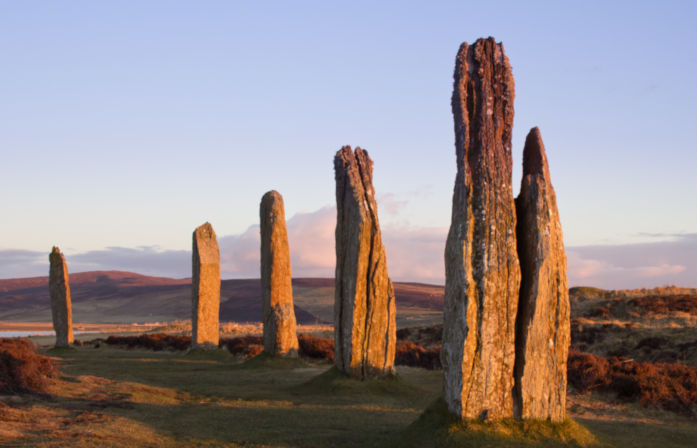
(126, 297)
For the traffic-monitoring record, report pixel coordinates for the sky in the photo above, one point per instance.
(125, 125)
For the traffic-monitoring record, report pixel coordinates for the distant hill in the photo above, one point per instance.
(126, 297)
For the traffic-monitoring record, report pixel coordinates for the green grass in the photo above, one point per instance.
(117, 397)
(266, 361)
(436, 427)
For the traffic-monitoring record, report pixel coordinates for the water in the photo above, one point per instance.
(22, 334)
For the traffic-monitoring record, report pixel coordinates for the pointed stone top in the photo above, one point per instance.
(205, 231)
(534, 156)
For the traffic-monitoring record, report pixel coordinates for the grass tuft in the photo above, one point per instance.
(267, 361)
(336, 382)
(217, 354)
(436, 427)
(60, 350)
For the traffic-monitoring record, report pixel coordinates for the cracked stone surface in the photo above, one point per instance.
(481, 259)
(59, 291)
(205, 281)
(364, 301)
(280, 337)
(542, 327)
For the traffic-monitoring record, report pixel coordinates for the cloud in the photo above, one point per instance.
(148, 260)
(414, 254)
(311, 241)
(657, 263)
(16, 263)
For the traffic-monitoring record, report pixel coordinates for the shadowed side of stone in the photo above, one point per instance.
(482, 270)
(542, 326)
(280, 336)
(59, 291)
(364, 300)
(205, 281)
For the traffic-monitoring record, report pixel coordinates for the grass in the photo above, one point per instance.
(436, 427)
(266, 361)
(117, 397)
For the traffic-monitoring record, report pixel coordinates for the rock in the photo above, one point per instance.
(59, 291)
(205, 282)
(542, 326)
(364, 300)
(280, 337)
(481, 260)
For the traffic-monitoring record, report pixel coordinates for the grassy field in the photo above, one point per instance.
(117, 397)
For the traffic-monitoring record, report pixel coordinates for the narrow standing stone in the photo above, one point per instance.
(364, 300)
(542, 327)
(205, 281)
(280, 337)
(481, 261)
(59, 291)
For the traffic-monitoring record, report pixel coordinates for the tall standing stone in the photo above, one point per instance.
(481, 261)
(542, 327)
(280, 337)
(364, 300)
(59, 291)
(205, 281)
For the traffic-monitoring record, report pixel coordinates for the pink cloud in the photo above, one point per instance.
(413, 254)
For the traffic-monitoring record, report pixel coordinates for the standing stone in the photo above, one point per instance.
(481, 261)
(364, 300)
(205, 281)
(280, 337)
(59, 291)
(542, 327)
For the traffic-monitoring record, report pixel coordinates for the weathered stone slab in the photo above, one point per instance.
(280, 337)
(364, 300)
(205, 281)
(542, 327)
(481, 260)
(59, 291)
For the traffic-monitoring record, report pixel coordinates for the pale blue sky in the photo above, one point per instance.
(130, 123)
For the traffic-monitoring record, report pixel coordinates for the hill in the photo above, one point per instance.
(126, 297)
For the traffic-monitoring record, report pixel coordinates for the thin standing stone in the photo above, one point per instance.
(364, 300)
(542, 327)
(481, 259)
(205, 288)
(280, 337)
(59, 291)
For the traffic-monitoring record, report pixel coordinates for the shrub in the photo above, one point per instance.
(664, 304)
(667, 385)
(415, 355)
(157, 342)
(249, 346)
(316, 347)
(22, 369)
